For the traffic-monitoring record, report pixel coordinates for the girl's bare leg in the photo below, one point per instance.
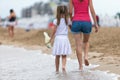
(63, 63)
(57, 61)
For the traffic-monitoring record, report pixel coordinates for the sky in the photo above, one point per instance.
(102, 7)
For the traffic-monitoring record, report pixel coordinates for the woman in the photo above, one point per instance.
(11, 23)
(81, 23)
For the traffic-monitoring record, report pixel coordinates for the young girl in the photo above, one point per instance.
(81, 23)
(61, 46)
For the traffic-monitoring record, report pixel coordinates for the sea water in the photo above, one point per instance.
(21, 64)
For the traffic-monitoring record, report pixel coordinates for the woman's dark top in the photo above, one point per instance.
(12, 19)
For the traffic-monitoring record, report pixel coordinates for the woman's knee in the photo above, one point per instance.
(79, 45)
(86, 41)
(86, 38)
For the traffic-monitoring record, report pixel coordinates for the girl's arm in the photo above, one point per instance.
(53, 33)
(70, 9)
(93, 15)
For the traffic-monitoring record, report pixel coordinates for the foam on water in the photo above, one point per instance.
(21, 64)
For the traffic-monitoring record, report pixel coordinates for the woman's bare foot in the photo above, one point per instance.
(86, 62)
(81, 68)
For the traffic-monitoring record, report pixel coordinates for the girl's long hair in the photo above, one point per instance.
(62, 10)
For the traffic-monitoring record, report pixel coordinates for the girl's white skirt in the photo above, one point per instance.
(61, 45)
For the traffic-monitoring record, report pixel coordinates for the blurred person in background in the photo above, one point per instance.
(11, 23)
(0, 21)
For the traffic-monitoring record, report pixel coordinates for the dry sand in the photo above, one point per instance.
(104, 45)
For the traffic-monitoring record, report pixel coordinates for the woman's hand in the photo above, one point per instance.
(70, 26)
(96, 28)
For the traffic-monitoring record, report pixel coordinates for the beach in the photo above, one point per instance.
(104, 47)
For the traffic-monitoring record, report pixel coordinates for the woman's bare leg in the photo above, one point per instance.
(12, 31)
(86, 48)
(9, 31)
(78, 43)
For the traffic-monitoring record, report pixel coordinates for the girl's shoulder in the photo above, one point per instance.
(68, 20)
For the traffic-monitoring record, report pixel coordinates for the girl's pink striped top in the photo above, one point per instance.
(81, 10)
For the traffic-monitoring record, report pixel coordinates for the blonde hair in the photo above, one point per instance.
(62, 10)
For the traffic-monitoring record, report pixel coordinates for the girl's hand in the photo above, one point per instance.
(49, 41)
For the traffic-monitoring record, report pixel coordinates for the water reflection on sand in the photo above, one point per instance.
(84, 75)
(21, 64)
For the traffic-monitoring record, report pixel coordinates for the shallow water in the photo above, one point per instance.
(21, 64)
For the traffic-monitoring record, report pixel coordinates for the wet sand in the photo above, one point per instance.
(104, 47)
(21, 64)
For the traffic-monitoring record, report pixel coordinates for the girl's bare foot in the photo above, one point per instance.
(63, 69)
(57, 72)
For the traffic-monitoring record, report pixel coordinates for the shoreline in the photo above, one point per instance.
(94, 58)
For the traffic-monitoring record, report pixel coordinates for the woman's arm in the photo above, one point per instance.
(70, 26)
(93, 15)
(70, 8)
(11, 15)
